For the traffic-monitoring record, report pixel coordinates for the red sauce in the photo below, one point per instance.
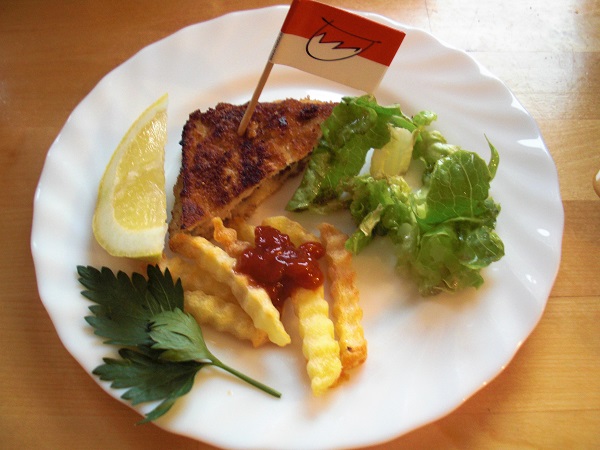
(278, 266)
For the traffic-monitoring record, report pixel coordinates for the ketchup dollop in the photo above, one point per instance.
(278, 266)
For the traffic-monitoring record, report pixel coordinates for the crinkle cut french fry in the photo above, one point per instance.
(321, 350)
(319, 345)
(346, 311)
(228, 238)
(254, 300)
(194, 278)
(245, 231)
(211, 302)
(223, 316)
(297, 233)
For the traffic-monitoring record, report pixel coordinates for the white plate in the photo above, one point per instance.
(426, 356)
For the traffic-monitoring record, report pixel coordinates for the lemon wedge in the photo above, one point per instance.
(130, 219)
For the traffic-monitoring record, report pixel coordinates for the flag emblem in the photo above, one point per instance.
(331, 43)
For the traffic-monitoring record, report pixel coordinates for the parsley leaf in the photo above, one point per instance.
(163, 347)
(119, 313)
(148, 379)
(125, 305)
(180, 336)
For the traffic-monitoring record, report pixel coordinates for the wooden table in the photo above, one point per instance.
(52, 53)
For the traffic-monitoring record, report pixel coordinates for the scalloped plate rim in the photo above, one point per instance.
(549, 237)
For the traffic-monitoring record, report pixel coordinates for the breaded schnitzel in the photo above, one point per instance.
(226, 175)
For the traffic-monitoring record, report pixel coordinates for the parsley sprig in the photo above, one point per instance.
(162, 346)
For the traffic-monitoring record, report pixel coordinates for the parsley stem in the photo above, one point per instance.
(246, 378)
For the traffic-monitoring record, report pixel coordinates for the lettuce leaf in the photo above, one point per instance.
(355, 126)
(379, 207)
(443, 232)
(457, 188)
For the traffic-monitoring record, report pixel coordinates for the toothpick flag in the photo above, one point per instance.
(336, 44)
(331, 43)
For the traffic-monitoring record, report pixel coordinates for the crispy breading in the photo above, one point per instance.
(227, 238)
(223, 316)
(254, 300)
(226, 175)
(346, 311)
(245, 230)
(321, 350)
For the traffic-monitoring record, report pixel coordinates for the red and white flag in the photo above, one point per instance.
(336, 44)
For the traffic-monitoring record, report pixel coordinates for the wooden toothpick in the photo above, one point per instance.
(253, 102)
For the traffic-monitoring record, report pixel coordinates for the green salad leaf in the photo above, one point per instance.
(443, 232)
(163, 346)
(355, 126)
(457, 188)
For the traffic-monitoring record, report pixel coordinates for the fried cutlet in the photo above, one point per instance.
(226, 175)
